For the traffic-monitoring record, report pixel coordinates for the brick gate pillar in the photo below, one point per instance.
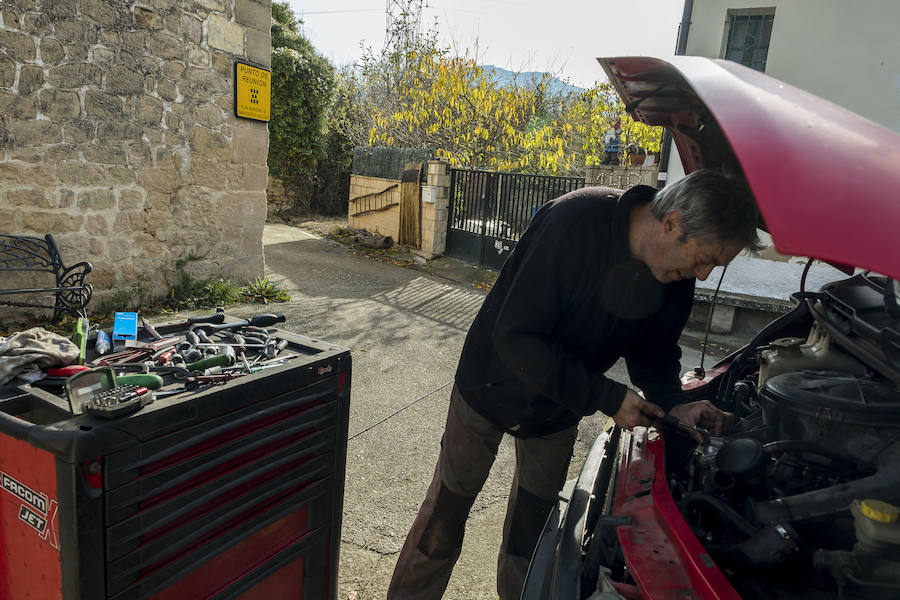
(435, 204)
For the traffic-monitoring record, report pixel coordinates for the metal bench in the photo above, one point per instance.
(19, 253)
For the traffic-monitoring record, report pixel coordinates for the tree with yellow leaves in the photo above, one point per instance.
(418, 95)
(451, 105)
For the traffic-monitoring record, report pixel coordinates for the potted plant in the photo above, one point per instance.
(636, 154)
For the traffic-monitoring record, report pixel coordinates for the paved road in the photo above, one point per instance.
(405, 330)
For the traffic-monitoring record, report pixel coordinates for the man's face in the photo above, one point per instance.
(678, 258)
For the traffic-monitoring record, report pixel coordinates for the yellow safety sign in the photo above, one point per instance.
(252, 92)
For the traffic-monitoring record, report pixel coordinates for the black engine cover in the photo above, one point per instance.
(854, 415)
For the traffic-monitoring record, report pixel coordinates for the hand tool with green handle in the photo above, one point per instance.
(150, 381)
(79, 338)
(219, 360)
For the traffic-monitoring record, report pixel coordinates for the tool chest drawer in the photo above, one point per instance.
(143, 572)
(232, 490)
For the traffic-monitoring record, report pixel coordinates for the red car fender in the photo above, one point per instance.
(664, 557)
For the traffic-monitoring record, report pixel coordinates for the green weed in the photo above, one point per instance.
(263, 290)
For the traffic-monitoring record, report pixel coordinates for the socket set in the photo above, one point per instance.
(118, 401)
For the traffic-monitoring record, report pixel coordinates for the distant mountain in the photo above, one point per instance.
(505, 78)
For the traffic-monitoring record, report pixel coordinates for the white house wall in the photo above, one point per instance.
(846, 52)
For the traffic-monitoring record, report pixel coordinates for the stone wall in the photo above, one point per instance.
(118, 135)
(280, 199)
(375, 205)
(620, 177)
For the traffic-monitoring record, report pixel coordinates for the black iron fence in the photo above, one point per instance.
(489, 211)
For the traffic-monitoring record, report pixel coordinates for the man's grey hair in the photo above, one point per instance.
(714, 206)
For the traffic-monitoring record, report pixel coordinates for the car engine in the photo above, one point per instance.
(799, 499)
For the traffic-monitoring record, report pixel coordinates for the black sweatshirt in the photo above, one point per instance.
(568, 303)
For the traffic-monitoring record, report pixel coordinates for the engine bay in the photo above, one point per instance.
(799, 499)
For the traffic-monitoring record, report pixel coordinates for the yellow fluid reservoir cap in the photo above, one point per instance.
(879, 511)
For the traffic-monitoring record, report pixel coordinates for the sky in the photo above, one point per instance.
(562, 37)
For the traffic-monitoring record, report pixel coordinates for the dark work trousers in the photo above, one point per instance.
(468, 450)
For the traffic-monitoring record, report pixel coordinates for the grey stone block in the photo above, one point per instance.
(723, 319)
(146, 110)
(34, 133)
(167, 89)
(107, 13)
(97, 199)
(20, 5)
(118, 129)
(253, 14)
(74, 76)
(259, 47)
(79, 132)
(163, 45)
(147, 18)
(57, 11)
(52, 51)
(104, 153)
(16, 107)
(102, 105)
(10, 18)
(191, 28)
(59, 104)
(76, 52)
(7, 72)
(74, 31)
(18, 45)
(31, 78)
(36, 23)
(122, 80)
(136, 40)
(222, 34)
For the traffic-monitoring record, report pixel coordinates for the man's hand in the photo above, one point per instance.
(636, 411)
(703, 414)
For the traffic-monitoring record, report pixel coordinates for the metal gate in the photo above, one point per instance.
(489, 211)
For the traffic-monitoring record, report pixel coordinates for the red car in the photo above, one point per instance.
(799, 499)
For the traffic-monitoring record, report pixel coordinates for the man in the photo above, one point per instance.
(593, 279)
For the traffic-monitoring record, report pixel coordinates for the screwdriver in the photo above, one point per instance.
(673, 422)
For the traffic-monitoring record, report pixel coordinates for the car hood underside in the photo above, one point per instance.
(825, 179)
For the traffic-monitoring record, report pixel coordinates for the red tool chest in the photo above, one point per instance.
(230, 492)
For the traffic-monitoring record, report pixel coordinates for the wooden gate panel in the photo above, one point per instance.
(411, 206)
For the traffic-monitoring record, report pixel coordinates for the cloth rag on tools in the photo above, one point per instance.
(24, 354)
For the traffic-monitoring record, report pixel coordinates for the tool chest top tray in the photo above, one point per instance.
(43, 419)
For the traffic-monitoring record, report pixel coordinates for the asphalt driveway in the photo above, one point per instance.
(405, 329)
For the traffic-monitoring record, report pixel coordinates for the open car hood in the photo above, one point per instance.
(825, 179)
